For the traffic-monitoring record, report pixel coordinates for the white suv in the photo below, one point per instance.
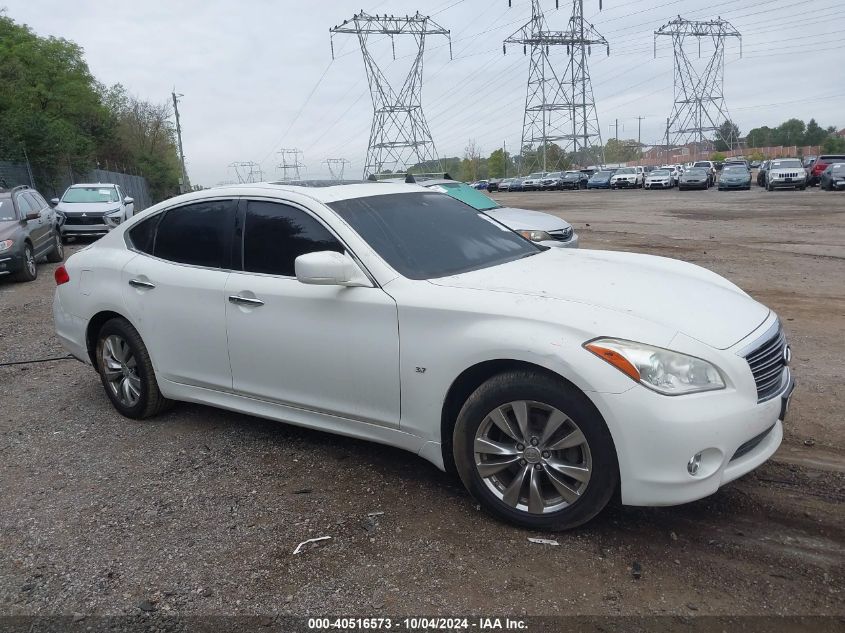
(93, 209)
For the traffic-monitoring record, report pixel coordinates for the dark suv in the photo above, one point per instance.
(29, 230)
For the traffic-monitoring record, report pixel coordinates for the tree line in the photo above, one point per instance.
(58, 117)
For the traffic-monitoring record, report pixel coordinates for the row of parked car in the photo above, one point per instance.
(31, 229)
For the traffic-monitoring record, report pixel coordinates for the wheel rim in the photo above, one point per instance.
(60, 250)
(121, 370)
(532, 457)
(30, 261)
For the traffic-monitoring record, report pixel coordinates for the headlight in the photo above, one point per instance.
(536, 236)
(114, 212)
(6, 245)
(661, 370)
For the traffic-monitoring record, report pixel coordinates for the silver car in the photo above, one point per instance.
(542, 228)
(92, 209)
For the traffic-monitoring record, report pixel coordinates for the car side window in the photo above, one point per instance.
(276, 234)
(195, 234)
(24, 206)
(34, 202)
(142, 235)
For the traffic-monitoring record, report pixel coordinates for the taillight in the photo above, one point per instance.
(819, 167)
(61, 276)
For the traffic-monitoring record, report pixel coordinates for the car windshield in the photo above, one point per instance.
(573, 175)
(7, 210)
(703, 165)
(627, 170)
(469, 195)
(428, 235)
(786, 164)
(554, 174)
(90, 194)
(538, 174)
(735, 168)
(695, 171)
(660, 172)
(839, 168)
(599, 175)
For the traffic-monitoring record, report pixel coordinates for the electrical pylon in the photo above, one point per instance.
(336, 167)
(560, 108)
(699, 106)
(247, 171)
(290, 165)
(399, 136)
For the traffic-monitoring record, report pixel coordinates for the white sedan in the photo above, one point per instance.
(548, 378)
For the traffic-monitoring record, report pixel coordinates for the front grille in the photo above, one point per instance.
(83, 221)
(561, 235)
(751, 444)
(767, 363)
(791, 174)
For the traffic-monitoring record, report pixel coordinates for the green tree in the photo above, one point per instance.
(790, 132)
(717, 157)
(497, 163)
(834, 145)
(814, 134)
(617, 151)
(759, 137)
(727, 136)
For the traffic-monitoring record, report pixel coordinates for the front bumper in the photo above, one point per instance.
(598, 185)
(784, 183)
(11, 261)
(659, 185)
(693, 185)
(734, 185)
(623, 184)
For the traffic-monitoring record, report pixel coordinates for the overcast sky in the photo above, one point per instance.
(257, 75)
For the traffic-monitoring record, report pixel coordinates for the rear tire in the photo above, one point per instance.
(560, 467)
(126, 371)
(57, 254)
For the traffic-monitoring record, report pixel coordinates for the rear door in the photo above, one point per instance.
(174, 291)
(328, 349)
(40, 228)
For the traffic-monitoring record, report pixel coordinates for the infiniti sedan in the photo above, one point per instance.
(550, 379)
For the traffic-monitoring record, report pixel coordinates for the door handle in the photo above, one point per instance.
(245, 301)
(137, 283)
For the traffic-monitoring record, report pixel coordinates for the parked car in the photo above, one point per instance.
(29, 230)
(627, 177)
(820, 165)
(761, 173)
(735, 176)
(737, 161)
(93, 209)
(710, 167)
(542, 228)
(551, 380)
(755, 164)
(493, 184)
(505, 184)
(676, 173)
(479, 184)
(551, 181)
(833, 178)
(516, 184)
(694, 178)
(659, 179)
(786, 173)
(600, 179)
(574, 180)
(534, 181)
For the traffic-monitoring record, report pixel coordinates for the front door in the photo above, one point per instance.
(329, 349)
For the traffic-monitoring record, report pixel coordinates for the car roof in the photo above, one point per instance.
(80, 185)
(325, 195)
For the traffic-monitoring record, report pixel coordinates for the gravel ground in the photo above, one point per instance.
(198, 512)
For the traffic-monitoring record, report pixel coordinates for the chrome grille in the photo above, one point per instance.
(767, 363)
(562, 235)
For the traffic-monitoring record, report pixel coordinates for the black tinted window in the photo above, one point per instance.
(277, 234)
(427, 235)
(195, 234)
(142, 235)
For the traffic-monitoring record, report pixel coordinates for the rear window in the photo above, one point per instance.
(7, 211)
(195, 234)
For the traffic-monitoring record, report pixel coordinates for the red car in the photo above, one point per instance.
(822, 163)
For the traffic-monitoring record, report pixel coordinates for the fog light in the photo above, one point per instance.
(693, 464)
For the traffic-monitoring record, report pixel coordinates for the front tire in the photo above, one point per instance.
(126, 371)
(29, 271)
(57, 253)
(534, 451)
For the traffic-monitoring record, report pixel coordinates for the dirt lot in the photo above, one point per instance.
(198, 512)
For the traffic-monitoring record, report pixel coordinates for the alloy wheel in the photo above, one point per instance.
(120, 369)
(29, 256)
(532, 457)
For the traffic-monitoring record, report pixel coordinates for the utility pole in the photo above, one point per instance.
(699, 106)
(336, 167)
(640, 131)
(184, 185)
(399, 136)
(290, 164)
(559, 107)
(505, 152)
(617, 130)
(666, 162)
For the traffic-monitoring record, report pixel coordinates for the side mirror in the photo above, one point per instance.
(32, 216)
(328, 268)
(54, 201)
(128, 200)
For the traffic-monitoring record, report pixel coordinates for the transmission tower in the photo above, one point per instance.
(699, 107)
(247, 171)
(559, 108)
(399, 136)
(290, 165)
(336, 167)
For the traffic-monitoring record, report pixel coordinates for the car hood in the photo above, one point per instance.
(87, 207)
(674, 294)
(525, 220)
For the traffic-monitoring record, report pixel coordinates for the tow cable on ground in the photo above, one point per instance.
(36, 360)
